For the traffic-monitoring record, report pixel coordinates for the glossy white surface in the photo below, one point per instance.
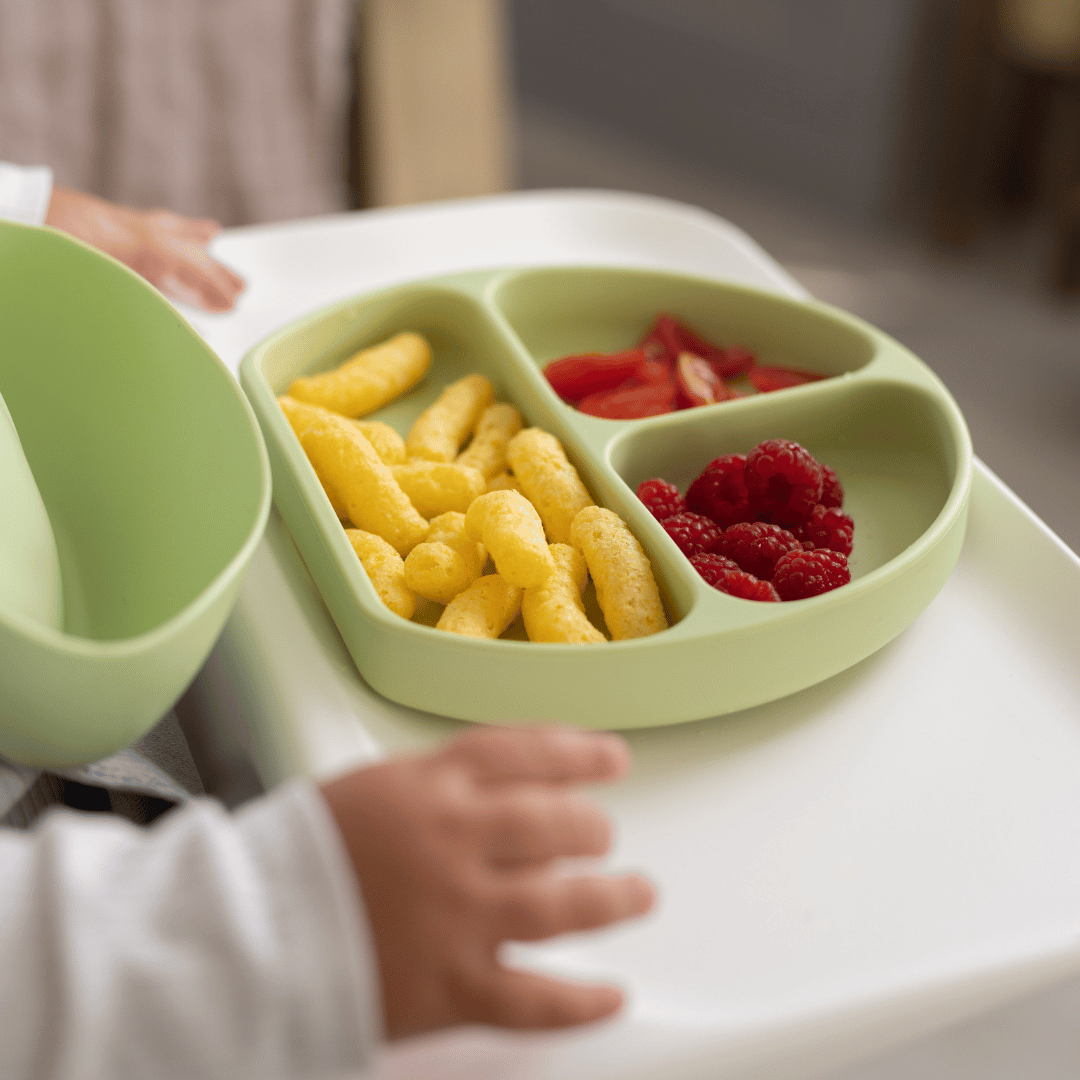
(842, 870)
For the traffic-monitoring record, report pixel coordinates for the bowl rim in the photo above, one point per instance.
(117, 648)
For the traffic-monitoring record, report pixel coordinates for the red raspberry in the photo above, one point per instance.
(784, 481)
(800, 574)
(724, 575)
(661, 498)
(832, 492)
(827, 527)
(720, 491)
(756, 546)
(708, 565)
(692, 532)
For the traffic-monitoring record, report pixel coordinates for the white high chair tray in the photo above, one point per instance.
(842, 870)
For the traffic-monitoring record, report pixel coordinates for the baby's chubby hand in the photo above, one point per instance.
(454, 852)
(167, 249)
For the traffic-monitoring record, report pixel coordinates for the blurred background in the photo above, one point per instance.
(916, 162)
(912, 161)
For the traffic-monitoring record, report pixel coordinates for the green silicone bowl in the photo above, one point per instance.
(157, 484)
(883, 421)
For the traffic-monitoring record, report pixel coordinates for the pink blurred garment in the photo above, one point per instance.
(231, 109)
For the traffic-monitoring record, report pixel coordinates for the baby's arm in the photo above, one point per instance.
(454, 853)
(167, 249)
(234, 945)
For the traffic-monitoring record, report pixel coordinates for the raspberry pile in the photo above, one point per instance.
(768, 525)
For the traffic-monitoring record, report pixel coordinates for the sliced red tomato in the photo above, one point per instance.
(654, 348)
(766, 378)
(697, 381)
(654, 371)
(734, 362)
(667, 331)
(690, 342)
(575, 377)
(726, 362)
(630, 403)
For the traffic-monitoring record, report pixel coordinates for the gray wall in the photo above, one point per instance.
(833, 99)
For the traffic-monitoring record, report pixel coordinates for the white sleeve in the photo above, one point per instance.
(24, 193)
(211, 945)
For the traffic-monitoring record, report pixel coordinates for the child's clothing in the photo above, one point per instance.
(24, 193)
(235, 110)
(210, 945)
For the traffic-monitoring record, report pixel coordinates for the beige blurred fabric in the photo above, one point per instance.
(232, 109)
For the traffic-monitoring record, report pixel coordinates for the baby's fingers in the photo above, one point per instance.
(192, 230)
(554, 755)
(544, 906)
(197, 230)
(534, 823)
(209, 284)
(528, 1001)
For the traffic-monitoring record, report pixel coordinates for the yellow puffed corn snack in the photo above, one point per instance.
(510, 528)
(385, 570)
(389, 445)
(437, 487)
(625, 586)
(301, 416)
(439, 431)
(503, 482)
(346, 461)
(553, 611)
(484, 610)
(487, 452)
(548, 481)
(369, 379)
(447, 562)
(335, 499)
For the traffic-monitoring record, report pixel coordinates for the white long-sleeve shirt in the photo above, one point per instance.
(24, 193)
(210, 945)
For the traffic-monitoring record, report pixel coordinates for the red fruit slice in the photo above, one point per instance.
(765, 379)
(690, 342)
(667, 330)
(575, 377)
(697, 380)
(734, 362)
(630, 404)
(654, 348)
(654, 371)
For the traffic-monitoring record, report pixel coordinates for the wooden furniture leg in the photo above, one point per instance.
(1066, 270)
(435, 101)
(1023, 140)
(959, 199)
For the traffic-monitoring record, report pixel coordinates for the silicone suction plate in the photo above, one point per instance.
(882, 420)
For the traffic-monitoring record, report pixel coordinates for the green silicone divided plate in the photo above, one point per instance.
(882, 420)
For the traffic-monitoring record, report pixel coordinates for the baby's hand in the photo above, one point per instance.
(167, 249)
(454, 853)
